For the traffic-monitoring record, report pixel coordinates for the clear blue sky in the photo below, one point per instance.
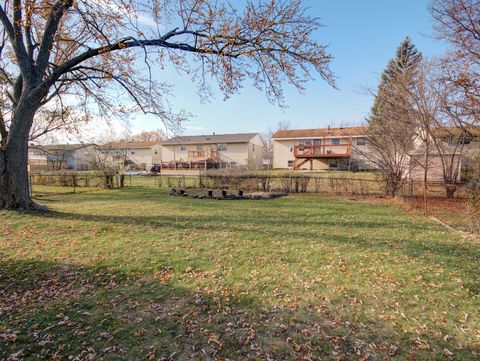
(362, 36)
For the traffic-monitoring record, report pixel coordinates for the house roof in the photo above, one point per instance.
(320, 132)
(211, 139)
(64, 146)
(130, 145)
(457, 131)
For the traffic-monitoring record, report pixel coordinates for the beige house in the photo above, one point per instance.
(70, 156)
(213, 151)
(457, 146)
(321, 149)
(133, 154)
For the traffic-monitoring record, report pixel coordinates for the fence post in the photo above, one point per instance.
(30, 185)
(74, 181)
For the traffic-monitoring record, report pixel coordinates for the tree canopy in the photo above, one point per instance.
(88, 54)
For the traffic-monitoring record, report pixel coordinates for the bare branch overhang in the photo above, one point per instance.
(16, 40)
(126, 44)
(48, 38)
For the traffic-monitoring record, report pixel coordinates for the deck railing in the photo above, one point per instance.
(323, 150)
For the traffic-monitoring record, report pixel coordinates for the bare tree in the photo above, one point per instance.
(268, 140)
(389, 144)
(457, 21)
(105, 168)
(439, 124)
(56, 159)
(89, 50)
(149, 136)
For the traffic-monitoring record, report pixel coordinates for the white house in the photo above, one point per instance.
(70, 156)
(213, 151)
(134, 154)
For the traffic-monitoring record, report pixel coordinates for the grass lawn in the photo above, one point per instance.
(136, 274)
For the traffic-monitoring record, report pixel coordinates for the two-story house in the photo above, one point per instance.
(214, 151)
(127, 154)
(321, 149)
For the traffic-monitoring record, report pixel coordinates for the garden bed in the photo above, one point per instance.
(224, 195)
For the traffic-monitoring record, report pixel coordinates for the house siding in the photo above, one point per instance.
(283, 153)
(245, 154)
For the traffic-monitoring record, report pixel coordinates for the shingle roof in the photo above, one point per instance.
(320, 132)
(211, 139)
(129, 145)
(65, 146)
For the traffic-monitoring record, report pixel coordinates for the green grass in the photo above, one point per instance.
(136, 274)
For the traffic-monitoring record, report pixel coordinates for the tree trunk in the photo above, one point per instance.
(14, 187)
(450, 190)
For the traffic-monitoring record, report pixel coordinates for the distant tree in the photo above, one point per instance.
(89, 50)
(149, 136)
(268, 134)
(390, 123)
(105, 168)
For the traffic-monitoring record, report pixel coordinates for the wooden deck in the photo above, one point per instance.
(308, 152)
(323, 150)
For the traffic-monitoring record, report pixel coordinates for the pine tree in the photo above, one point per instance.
(391, 119)
(407, 58)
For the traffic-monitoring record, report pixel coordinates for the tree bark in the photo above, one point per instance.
(14, 185)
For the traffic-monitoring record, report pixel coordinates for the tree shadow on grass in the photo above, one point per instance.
(361, 234)
(56, 310)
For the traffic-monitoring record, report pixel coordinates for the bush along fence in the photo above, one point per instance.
(300, 183)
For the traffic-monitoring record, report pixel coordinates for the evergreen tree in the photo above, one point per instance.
(391, 120)
(407, 58)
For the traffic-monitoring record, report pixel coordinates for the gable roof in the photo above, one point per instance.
(211, 139)
(65, 147)
(129, 145)
(320, 132)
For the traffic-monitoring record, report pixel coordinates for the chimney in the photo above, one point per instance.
(328, 130)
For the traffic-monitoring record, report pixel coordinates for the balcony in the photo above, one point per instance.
(197, 154)
(201, 155)
(323, 150)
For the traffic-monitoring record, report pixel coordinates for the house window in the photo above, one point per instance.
(253, 147)
(132, 152)
(183, 148)
(361, 141)
(199, 147)
(290, 164)
(317, 141)
(221, 147)
(464, 141)
(155, 152)
(336, 141)
(334, 163)
(305, 142)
